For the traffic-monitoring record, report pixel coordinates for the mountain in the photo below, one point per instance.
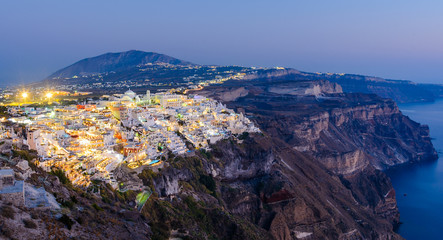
(114, 62)
(401, 91)
(147, 70)
(140, 71)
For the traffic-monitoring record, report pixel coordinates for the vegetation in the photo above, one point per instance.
(67, 102)
(97, 207)
(23, 154)
(7, 212)
(210, 222)
(147, 176)
(205, 153)
(67, 221)
(29, 223)
(61, 176)
(208, 182)
(66, 203)
(3, 111)
(194, 209)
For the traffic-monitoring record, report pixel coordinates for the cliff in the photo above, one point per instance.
(348, 131)
(345, 131)
(351, 135)
(277, 192)
(401, 91)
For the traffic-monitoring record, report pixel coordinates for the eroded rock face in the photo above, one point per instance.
(347, 138)
(296, 196)
(233, 95)
(318, 88)
(349, 129)
(346, 163)
(399, 90)
(352, 136)
(286, 193)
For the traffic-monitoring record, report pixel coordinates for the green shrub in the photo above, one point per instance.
(67, 204)
(74, 199)
(205, 153)
(160, 231)
(194, 209)
(6, 232)
(79, 220)
(97, 207)
(67, 221)
(7, 212)
(23, 154)
(208, 181)
(61, 175)
(29, 223)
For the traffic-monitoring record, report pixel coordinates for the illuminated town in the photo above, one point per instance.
(90, 141)
(230, 120)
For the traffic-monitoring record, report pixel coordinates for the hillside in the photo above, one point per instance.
(114, 62)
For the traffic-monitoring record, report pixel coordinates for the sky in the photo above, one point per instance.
(396, 39)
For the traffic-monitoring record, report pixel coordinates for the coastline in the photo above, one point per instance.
(418, 185)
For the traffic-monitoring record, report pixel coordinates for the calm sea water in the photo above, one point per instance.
(419, 187)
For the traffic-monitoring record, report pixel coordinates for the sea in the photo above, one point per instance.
(419, 187)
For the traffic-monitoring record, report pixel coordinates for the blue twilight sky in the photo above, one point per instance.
(400, 39)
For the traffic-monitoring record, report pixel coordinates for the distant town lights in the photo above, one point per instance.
(49, 95)
(24, 95)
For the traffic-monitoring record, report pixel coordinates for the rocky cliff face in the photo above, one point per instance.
(357, 133)
(399, 90)
(284, 194)
(311, 88)
(345, 131)
(352, 136)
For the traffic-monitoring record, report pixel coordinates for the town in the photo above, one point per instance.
(90, 141)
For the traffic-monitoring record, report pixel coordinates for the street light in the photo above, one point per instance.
(49, 95)
(24, 95)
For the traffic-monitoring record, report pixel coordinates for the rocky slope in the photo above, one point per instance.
(275, 191)
(84, 214)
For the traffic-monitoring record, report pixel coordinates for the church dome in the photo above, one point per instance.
(130, 94)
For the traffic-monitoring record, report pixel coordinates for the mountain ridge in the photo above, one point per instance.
(115, 61)
(131, 66)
